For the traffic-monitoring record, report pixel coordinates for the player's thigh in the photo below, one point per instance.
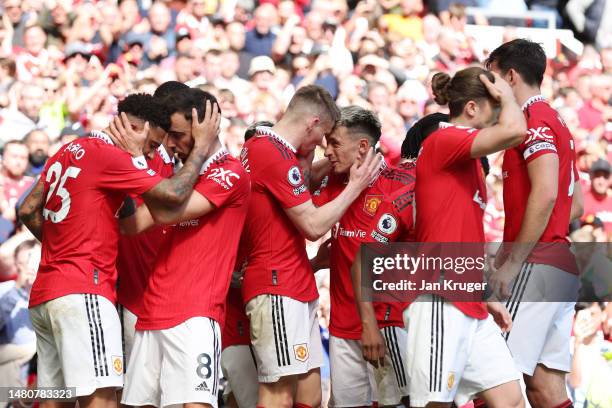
(350, 385)
(437, 336)
(191, 369)
(490, 370)
(539, 325)
(87, 335)
(128, 325)
(48, 361)
(284, 336)
(238, 366)
(142, 385)
(391, 379)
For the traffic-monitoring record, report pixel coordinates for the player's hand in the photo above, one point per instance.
(373, 344)
(205, 132)
(362, 174)
(500, 315)
(321, 259)
(499, 90)
(126, 137)
(499, 282)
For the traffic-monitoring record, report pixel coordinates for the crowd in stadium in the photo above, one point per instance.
(66, 64)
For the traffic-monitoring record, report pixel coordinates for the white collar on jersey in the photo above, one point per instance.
(98, 134)
(164, 154)
(265, 130)
(218, 154)
(531, 101)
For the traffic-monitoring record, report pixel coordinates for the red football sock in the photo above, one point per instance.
(300, 405)
(480, 403)
(566, 404)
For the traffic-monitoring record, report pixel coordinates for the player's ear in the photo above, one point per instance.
(471, 108)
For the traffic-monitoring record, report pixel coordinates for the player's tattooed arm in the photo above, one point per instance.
(30, 211)
(176, 190)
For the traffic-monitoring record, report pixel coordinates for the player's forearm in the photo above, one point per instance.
(511, 124)
(176, 190)
(140, 221)
(365, 307)
(324, 217)
(30, 211)
(574, 378)
(577, 202)
(319, 170)
(540, 204)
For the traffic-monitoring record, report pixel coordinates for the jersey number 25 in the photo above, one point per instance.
(55, 173)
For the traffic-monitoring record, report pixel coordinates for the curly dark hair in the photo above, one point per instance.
(147, 108)
(184, 101)
(169, 87)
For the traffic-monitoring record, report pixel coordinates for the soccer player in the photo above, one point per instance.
(463, 354)
(279, 288)
(72, 210)
(136, 254)
(178, 328)
(356, 133)
(540, 184)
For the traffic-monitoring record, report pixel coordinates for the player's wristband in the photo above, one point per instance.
(127, 209)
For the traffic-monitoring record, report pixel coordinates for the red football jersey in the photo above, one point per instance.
(277, 260)
(194, 266)
(547, 134)
(347, 235)
(85, 183)
(137, 253)
(451, 195)
(236, 328)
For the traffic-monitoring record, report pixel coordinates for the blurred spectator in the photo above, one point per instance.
(589, 368)
(17, 18)
(591, 20)
(596, 110)
(407, 23)
(38, 143)
(598, 199)
(260, 39)
(17, 337)
(16, 123)
(160, 42)
(13, 181)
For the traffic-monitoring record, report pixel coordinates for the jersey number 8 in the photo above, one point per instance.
(55, 173)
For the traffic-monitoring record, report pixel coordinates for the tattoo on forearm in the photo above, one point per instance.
(180, 185)
(31, 211)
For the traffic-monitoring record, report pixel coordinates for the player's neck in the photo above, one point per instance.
(523, 93)
(215, 146)
(287, 132)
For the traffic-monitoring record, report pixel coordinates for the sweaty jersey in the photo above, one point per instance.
(347, 235)
(277, 260)
(451, 195)
(85, 184)
(137, 253)
(193, 269)
(547, 134)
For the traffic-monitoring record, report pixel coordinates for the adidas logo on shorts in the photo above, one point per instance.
(202, 387)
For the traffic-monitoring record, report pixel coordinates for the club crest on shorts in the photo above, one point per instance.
(301, 352)
(117, 364)
(294, 176)
(387, 224)
(371, 204)
(451, 380)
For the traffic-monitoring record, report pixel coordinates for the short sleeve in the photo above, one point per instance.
(127, 174)
(454, 146)
(540, 139)
(223, 185)
(285, 181)
(391, 222)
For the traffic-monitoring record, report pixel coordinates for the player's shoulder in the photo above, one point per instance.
(402, 198)
(268, 148)
(393, 177)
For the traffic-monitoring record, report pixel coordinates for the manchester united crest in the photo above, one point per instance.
(371, 204)
(301, 352)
